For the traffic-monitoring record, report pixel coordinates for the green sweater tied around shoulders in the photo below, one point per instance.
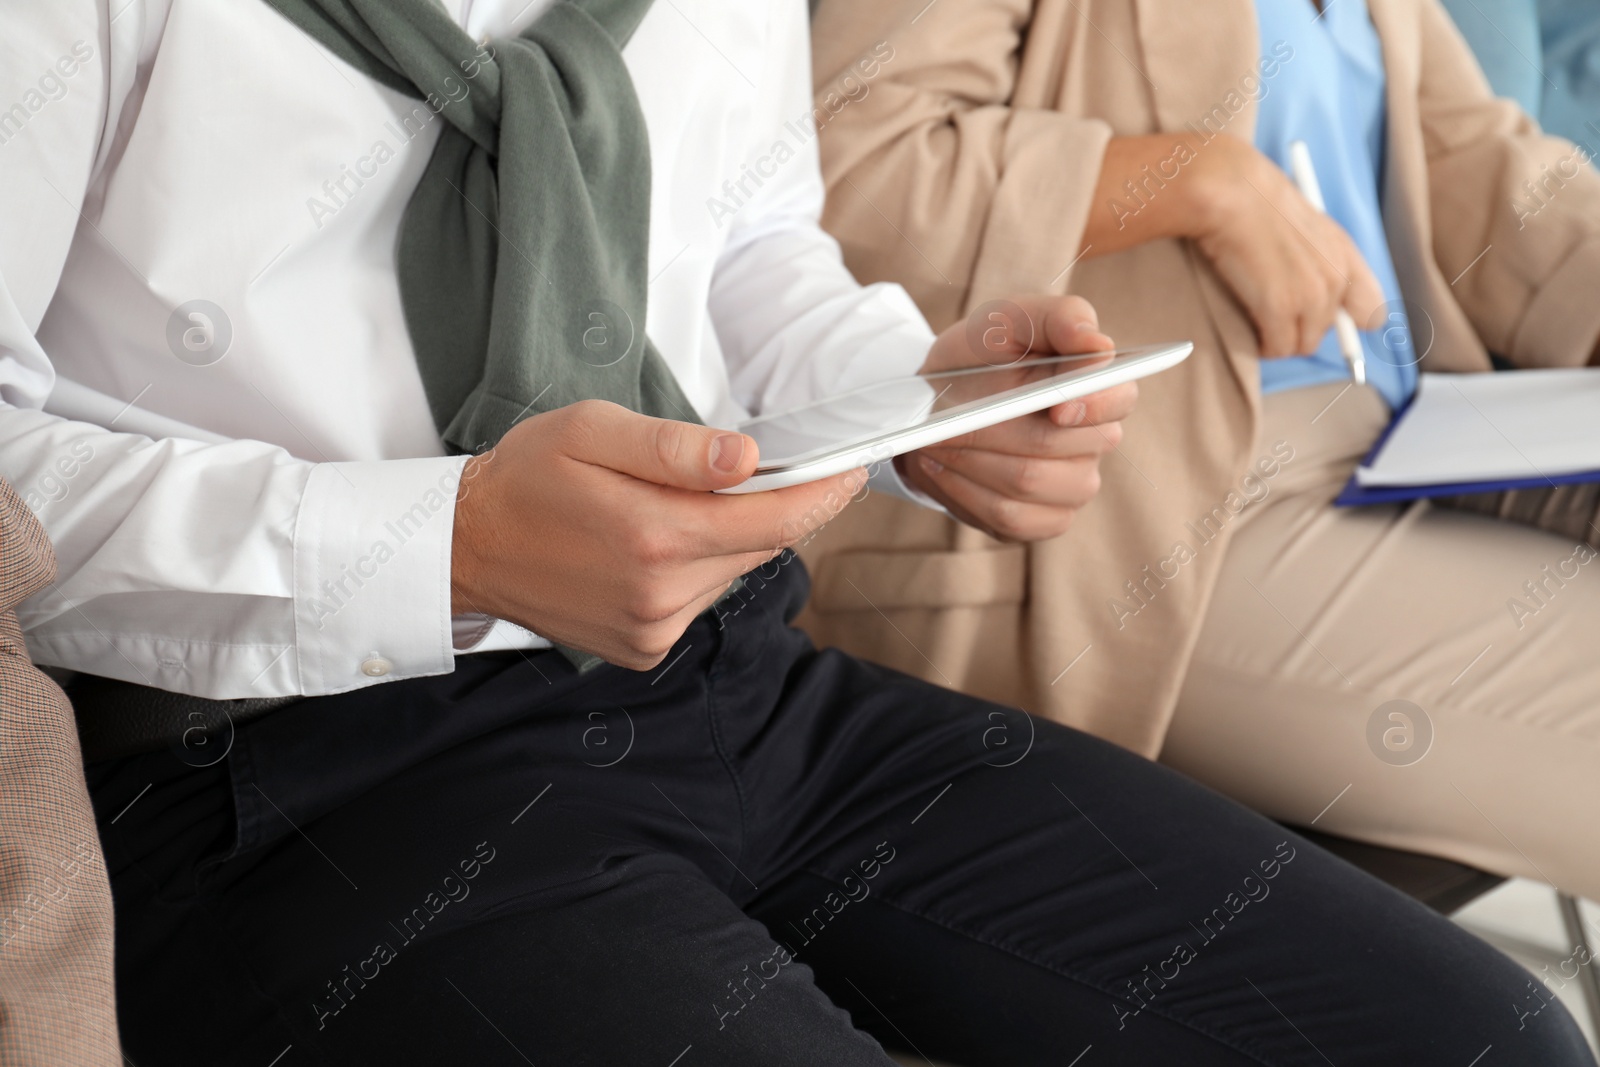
(522, 252)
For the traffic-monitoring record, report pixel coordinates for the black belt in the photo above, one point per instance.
(117, 719)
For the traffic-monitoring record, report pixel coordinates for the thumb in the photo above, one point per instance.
(662, 451)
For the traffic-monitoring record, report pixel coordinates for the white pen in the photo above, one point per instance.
(1305, 176)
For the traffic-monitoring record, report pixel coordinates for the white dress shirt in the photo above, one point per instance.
(207, 392)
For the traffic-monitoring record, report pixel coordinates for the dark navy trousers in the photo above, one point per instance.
(756, 854)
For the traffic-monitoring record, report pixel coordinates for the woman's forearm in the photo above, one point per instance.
(1152, 187)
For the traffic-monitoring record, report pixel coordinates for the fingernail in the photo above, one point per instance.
(931, 465)
(726, 452)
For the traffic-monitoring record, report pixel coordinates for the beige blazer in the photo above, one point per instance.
(56, 1002)
(961, 142)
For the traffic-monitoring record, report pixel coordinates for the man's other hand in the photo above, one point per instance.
(1023, 480)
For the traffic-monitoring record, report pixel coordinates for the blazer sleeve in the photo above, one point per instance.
(935, 179)
(1527, 203)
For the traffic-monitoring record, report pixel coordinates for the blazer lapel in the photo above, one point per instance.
(1405, 169)
(1198, 55)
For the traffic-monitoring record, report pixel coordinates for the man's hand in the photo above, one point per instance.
(1023, 480)
(596, 527)
(1291, 266)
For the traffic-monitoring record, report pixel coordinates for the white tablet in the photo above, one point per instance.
(877, 422)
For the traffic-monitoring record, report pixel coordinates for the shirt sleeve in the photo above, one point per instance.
(794, 324)
(198, 564)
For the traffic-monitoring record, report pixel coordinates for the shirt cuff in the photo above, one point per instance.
(372, 572)
(885, 478)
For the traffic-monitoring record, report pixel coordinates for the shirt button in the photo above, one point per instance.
(376, 666)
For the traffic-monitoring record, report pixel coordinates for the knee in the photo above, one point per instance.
(1527, 1022)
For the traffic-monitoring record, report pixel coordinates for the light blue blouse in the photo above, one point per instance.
(1330, 94)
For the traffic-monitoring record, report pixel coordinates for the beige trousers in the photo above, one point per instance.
(1415, 676)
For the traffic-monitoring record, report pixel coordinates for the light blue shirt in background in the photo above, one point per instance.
(1545, 54)
(1504, 34)
(1571, 103)
(1330, 94)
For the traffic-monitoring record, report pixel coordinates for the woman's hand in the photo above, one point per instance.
(1023, 480)
(1291, 266)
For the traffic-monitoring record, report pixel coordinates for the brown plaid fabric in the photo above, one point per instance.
(1569, 510)
(56, 1004)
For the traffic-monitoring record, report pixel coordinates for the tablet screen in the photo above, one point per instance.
(884, 411)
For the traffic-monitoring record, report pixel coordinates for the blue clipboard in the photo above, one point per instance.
(1356, 495)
